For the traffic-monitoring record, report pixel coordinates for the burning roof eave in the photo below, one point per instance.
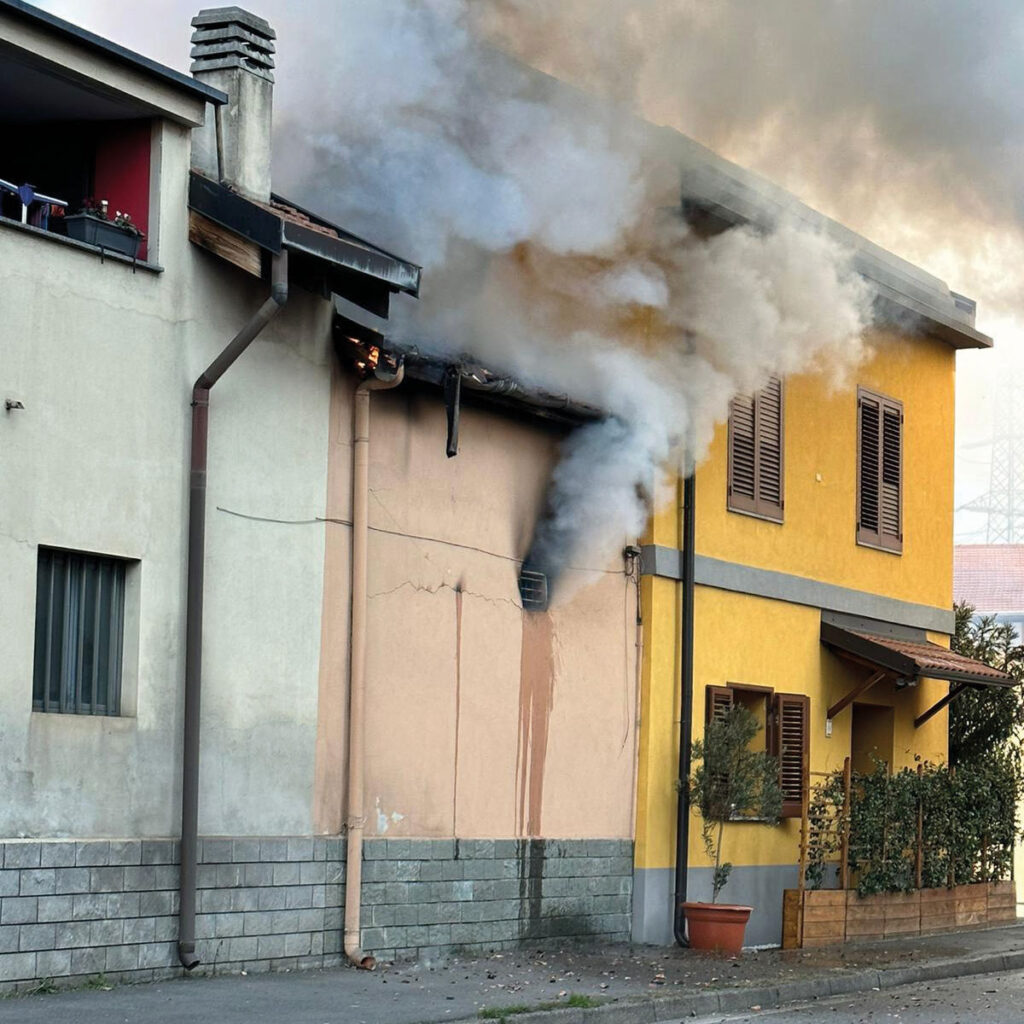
(497, 389)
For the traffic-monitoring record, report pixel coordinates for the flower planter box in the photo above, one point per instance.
(825, 917)
(83, 227)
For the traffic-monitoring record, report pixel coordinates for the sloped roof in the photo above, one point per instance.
(989, 577)
(344, 263)
(909, 659)
(733, 195)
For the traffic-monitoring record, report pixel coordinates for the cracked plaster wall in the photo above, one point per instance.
(480, 721)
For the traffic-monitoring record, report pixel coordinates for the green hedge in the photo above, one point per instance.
(968, 825)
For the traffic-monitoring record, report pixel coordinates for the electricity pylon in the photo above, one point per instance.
(1004, 502)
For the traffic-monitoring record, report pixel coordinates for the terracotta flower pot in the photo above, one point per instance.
(716, 926)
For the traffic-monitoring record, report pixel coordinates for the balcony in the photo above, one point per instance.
(67, 150)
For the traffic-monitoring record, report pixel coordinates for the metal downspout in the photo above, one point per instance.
(686, 710)
(194, 603)
(357, 665)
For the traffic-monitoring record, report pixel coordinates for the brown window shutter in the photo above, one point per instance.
(756, 452)
(879, 471)
(791, 743)
(769, 413)
(742, 455)
(892, 476)
(718, 702)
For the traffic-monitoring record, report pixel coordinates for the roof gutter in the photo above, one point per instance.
(194, 602)
(494, 388)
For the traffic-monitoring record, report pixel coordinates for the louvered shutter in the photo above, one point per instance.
(756, 452)
(742, 454)
(768, 409)
(879, 471)
(892, 476)
(790, 744)
(718, 702)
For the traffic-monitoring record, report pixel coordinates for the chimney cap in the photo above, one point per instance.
(212, 17)
(228, 37)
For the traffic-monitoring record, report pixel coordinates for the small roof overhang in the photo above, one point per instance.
(903, 662)
(323, 256)
(911, 660)
(117, 81)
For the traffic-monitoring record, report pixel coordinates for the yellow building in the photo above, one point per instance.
(822, 548)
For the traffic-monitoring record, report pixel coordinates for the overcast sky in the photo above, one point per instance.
(903, 120)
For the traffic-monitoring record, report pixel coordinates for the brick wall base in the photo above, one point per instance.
(72, 910)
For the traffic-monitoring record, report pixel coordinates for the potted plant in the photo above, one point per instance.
(732, 782)
(93, 225)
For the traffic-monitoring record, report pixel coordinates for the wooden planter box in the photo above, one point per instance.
(825, 917)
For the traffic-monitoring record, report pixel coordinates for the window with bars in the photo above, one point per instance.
(79, 633)
(756, 449)
(786, 734)
(879, 471)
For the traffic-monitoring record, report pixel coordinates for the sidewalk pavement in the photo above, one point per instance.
(606, 985)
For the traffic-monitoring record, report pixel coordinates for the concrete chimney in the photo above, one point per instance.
(233, 51)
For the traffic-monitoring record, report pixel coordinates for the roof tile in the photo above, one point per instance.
(990, 577)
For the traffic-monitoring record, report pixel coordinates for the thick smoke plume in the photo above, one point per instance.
(549, 226)
(901, 120)
(547, 219)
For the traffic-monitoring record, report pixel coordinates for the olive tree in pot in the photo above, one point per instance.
(732, 782)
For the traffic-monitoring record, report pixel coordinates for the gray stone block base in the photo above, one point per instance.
(70, 910)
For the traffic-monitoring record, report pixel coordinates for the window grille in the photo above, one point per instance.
(79, 633)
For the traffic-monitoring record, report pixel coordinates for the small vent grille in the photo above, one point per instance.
(533, 589)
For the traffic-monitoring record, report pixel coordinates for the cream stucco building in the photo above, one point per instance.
(470, 758)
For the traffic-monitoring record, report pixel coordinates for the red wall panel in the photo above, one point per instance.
(122, 172)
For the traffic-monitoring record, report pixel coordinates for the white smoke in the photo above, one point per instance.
(547, 221)
(548, 225)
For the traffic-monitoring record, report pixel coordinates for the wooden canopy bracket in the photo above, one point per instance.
(954, 690)
(861, 688)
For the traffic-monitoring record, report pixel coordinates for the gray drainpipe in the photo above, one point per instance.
(194, 602)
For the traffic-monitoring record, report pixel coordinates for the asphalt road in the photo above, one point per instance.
(981, 999)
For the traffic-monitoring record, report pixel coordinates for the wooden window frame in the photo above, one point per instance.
(757, 505)
(877, 536)
(775, 705)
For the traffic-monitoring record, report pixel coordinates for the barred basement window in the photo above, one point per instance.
(79, 633)
(756, 452)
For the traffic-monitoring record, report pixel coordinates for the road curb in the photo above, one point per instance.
(652, 1009)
